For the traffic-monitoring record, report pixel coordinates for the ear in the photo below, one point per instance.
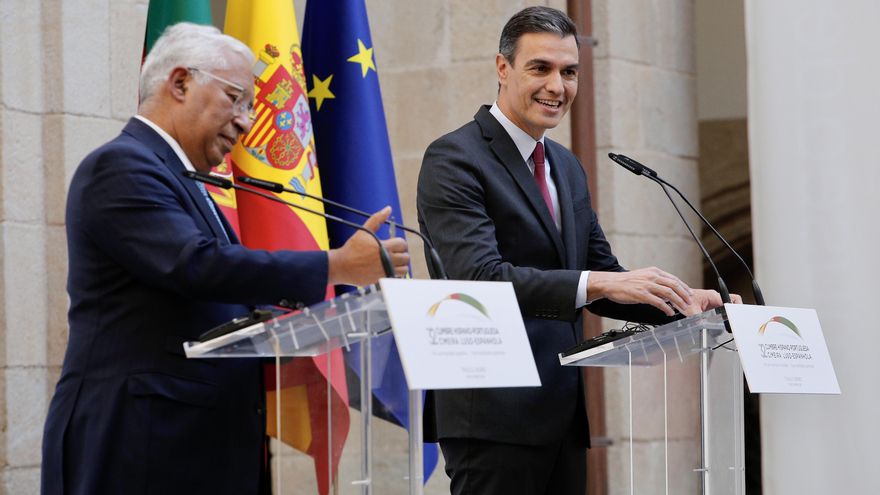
(177, 82)
(502, 67)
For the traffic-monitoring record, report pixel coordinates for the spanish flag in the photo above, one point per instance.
(280, 148)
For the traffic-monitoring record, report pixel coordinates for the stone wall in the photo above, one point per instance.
(64, 69)
(646, 109)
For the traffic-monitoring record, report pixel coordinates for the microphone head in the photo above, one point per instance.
(642, 169)
(208, 179)
(627, 163)
(262, 184)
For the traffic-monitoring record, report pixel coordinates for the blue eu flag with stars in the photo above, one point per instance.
(351, 139)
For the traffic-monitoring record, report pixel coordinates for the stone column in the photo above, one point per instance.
(646, 109)
(23, 229)
(68, 79)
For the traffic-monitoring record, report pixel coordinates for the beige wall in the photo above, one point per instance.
(62, 92)
(67, 83)
(721, 59)
(813, 106)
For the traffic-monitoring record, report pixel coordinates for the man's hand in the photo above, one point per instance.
(357, 262)
(646, 285)
(706, 299)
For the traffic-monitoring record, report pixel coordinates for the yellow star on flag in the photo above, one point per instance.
(321, 90)
(364, 56)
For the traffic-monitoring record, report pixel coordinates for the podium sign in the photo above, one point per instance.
(459, 334)
(782, 350)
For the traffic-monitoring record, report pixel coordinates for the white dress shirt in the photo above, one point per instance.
(526, 146)
(170, 140)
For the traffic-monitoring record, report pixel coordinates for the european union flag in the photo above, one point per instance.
(354, 154)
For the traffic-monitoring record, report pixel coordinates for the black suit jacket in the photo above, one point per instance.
(149, 269)
(480, 206)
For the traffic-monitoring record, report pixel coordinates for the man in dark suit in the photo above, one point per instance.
(502, 202)
(152, 265)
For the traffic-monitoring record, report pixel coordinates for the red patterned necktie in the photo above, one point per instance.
(540, 179)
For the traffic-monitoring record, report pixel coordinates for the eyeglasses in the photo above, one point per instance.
(240, 105)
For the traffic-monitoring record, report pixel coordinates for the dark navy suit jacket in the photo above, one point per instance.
(480, 206)
(150, 269)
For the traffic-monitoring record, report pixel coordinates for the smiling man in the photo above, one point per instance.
(500, 201)
(153, 264)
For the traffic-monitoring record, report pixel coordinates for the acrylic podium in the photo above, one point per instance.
(697, 340)
(355, 319)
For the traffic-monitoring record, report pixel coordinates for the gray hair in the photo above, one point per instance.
(535, 20)
(188, 45)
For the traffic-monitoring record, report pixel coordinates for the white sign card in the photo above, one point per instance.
(782, 350)
(455, 334)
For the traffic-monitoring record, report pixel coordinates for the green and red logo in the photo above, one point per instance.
(782, 320)
(461, 297)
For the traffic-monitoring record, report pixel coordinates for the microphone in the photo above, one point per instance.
(434, 258)
(634, 166)
(228, 184)
(639, 169)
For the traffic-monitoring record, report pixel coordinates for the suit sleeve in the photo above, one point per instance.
(452, 212)
(133, 210)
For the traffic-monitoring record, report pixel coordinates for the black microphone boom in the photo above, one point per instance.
(639, 169)
(228, 184)
(433, 259)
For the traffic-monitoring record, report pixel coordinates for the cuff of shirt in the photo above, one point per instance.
(581, 299)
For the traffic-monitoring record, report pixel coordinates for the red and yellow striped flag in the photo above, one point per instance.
(280, 148)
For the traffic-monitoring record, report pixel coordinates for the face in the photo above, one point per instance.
(538, 86)
(209, 124)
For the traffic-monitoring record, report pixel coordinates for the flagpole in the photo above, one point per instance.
(367, 411)
(416, 468)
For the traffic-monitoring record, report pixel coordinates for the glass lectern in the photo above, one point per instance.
(312, 414)
(703, 337)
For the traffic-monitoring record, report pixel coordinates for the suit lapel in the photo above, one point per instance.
(508, 155)
(142, 132)
(173, 163)
(566, 207)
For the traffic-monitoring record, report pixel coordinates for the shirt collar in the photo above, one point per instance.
(524, 143)
(170, 140)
